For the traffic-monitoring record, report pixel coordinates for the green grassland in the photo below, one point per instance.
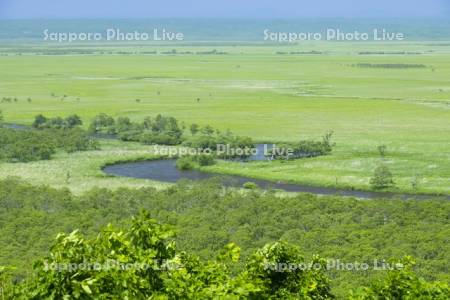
(252, 91)
(82, 171)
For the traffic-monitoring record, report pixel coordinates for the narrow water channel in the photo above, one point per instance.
(166, 171)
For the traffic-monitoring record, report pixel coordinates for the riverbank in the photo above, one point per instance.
(82, 171)
(165, 170)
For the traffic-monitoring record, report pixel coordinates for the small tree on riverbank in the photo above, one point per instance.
(194, 129)
(382, 178)
(382, 150)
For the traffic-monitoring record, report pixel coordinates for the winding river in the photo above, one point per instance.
(165, 170)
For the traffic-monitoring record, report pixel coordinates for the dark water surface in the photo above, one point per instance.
(166, 171)
(17, 126)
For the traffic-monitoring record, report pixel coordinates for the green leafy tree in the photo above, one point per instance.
(382, 178)
(278, 269)
(73, 120)
(25, 146)
(205, 159)
(415, 181)
(401, 283)
(56, 123)
(208, 130)
(39, 121)
(382, 150)
(185, 163)
(123, 124)
(102, 123)
(114, 265)
(304, 148)
(5, 281)
(194, 128)
(142, 262)
(74, 139)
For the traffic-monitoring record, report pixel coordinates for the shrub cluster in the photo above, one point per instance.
(73, 140)
(32, 145)
(42, 122)
(304, 149)
(208, 138)
(250, 186)
(165, 130)
(189, 162)
(160, 130)
(52, 134)
(185, 163)
(25, 146)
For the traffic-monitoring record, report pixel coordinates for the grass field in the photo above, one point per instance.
(81, 171)
(255, 91)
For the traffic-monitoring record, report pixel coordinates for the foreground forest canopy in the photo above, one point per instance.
(350, 230)
(142, 262)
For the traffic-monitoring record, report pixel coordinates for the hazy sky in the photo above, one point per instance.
(223, 8)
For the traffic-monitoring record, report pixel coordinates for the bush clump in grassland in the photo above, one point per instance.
(382, 178)
(205, 159)
(74, 140)
(42, 122)
(165, 130)
(250, 186)
(224, 145)
(32, 145)
(185, 163)
(159, 130)
(25, 146)
(50, 136)
(189, 162)
(303, 149)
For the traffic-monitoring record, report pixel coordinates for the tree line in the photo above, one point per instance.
(166, 130)
(49, 136)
